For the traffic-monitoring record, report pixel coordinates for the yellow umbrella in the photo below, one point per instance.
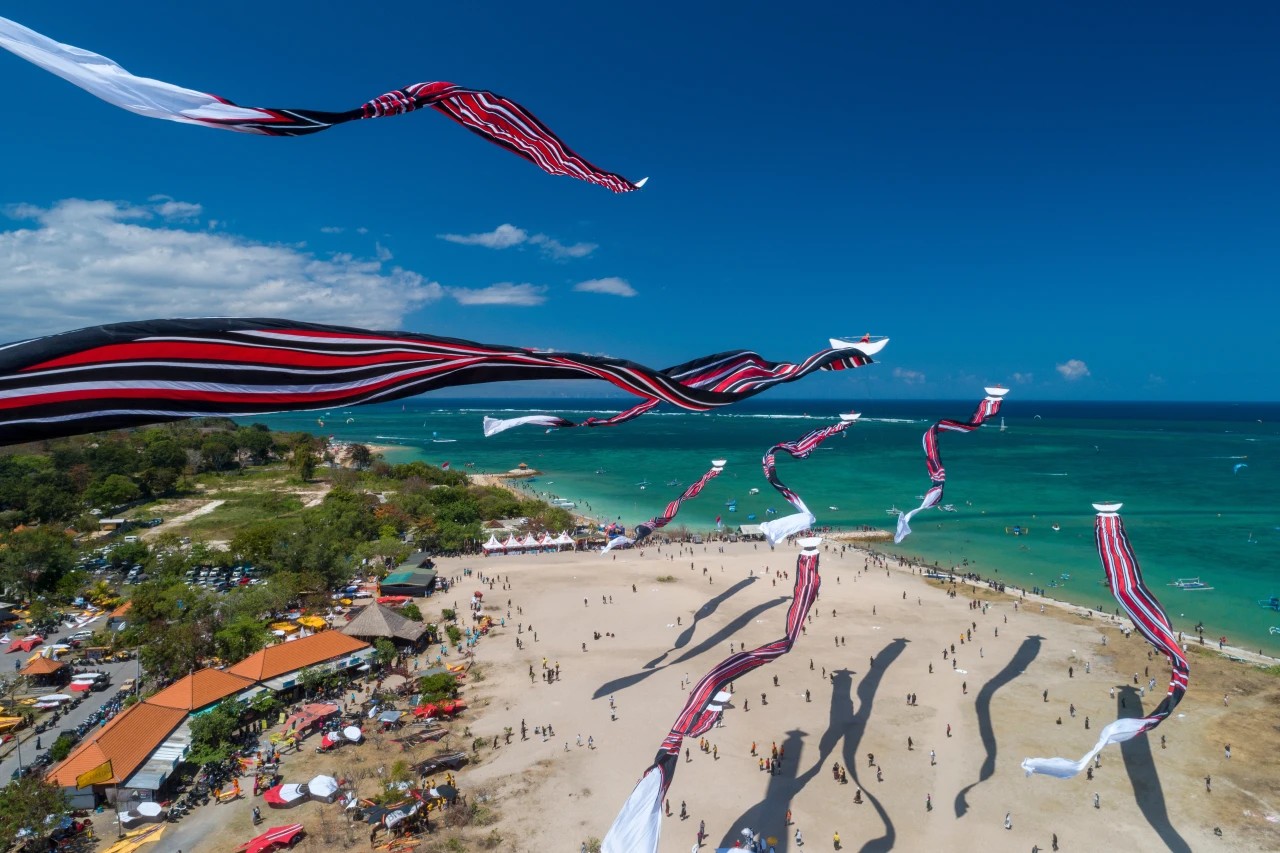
(287, 627)
(312, 622)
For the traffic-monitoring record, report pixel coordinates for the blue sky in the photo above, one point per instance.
(1080, 202)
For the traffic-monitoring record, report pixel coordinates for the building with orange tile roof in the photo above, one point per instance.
(147, 741)
(277, 667)
(42, 666)
(127, 741)
(200, 689)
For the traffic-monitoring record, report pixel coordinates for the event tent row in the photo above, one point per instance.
(529, 543)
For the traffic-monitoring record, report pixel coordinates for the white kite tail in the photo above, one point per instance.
(789, 525)
(931, 499)
(1064, 768)
(105, 79)
(493, 426)
(639, 823)
(617, 542)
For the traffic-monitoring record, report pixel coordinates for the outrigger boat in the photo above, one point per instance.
(1191, 585)
(1272, 603)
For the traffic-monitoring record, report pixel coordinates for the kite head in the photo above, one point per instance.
(1108, 509)
(868, 346)
(996, 391)
(809, 544)
(719, 464)
(850, 417)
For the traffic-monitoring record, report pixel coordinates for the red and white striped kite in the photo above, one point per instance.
(498, 119)
(1125, 579)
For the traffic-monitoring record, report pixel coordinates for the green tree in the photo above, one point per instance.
(312, 679)
(26, 804)
(304, 460)
(384, 651)
(112, 491)
(34, 559)
(411, 611)
(61, 747)
(240, 638)
(218, 453)
(437, 687)
(361, 456)
(213, 733)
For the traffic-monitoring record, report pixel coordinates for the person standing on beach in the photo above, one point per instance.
(1008, 820)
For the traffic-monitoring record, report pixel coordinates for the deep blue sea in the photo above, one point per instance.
(1198, 481)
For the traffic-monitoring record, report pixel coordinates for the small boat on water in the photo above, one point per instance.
(893, 510)
(949, 508)
(1017, 530)
(1056, 527)
(674, 483)
(751, 517)
(770, 511)
(1272, 603)
(1191, 585)
(834, 508)
(644, 484)
(753, 491)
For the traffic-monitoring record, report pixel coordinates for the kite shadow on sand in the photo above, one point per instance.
(728, 630)
(1021, 659)
(844, 724)
(1145, 778)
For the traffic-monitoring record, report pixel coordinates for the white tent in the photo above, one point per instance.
(512, 542)
(493, 544)
(545, 541)
(528, 541)
(563, 539)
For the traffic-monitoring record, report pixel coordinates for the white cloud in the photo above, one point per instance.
(1073, 369)
(556, 250)
(1022, 378)
(612, 285)
(331, 229)
(504, 293)
(88, 262)
(179, 210)
(507, 236)
(910, 377)
(502, 237)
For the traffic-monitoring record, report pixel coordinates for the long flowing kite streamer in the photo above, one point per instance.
(497, 119)
(638, 824)
(1125, 579)
(493, 426)
(988, 408)
(645, 529)
(131, 374)
(780, 528)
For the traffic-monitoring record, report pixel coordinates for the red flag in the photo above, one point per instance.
(444, 467)
(717, 521)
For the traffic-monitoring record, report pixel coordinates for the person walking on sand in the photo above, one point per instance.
(1008, 820)
(799, 838)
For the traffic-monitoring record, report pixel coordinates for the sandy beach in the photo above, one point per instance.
(550, 793)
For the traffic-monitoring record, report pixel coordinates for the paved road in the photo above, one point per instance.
(93, 701)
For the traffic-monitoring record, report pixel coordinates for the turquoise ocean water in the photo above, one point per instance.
(1189, 510)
